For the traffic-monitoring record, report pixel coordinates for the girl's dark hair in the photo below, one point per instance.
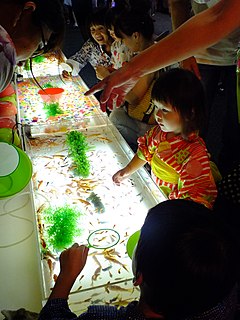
(188, 258)
(112, 17)
(134, 21)
(98, 17)
(185, 92)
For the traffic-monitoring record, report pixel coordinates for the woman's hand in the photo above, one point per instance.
(115, 87)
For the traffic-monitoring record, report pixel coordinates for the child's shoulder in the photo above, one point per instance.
(198, 147)
(156, 134)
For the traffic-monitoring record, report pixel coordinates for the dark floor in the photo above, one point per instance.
(73, 42)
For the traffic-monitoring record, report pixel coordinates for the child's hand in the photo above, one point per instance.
(67, 70)
(66, 75)
(119, 176)
(101, 72)
(73, 260)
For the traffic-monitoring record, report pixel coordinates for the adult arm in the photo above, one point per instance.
(201, 31)
(180, 13)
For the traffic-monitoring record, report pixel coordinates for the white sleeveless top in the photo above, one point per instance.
(225, 51)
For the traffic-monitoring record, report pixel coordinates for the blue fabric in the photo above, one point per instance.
(57, 309)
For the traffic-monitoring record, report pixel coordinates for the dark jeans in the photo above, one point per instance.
(221, 132)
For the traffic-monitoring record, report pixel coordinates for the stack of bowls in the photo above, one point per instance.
(8, 113)
(7, 109)
(8, 102)
(15, 170)
(9, 135)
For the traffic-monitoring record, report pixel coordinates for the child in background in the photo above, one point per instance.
(96, 50)
(135, 117)
(186, 264)
(120, 53)
(178, 157)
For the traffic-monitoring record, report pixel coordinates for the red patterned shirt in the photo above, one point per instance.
(181, 168)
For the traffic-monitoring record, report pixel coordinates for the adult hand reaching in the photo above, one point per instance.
(115, 87)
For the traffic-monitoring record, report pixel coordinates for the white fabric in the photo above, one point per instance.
(223, 53)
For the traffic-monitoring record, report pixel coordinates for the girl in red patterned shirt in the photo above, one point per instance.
(178, 157)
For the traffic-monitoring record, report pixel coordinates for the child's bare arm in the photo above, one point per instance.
(135, 164)
(102, 72)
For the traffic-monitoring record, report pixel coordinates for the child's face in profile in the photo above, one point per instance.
(131, 42)
(167, 117)
(99, 34)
